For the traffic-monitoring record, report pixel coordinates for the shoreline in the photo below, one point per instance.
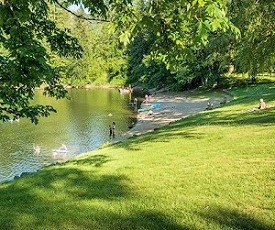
(171, 107)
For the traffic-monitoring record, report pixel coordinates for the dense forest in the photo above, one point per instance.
(109, 58)
(177, 44)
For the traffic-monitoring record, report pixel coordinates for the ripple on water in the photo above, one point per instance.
(23, 162)
(81, 124)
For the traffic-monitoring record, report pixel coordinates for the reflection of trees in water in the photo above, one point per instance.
(81, 123)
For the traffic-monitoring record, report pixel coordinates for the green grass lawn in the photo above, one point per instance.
(214, 170)
(245, 79)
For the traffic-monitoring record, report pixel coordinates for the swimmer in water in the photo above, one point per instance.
(36, 149)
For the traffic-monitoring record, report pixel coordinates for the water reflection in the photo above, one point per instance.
(81, 123)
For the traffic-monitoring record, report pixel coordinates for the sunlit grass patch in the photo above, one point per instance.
(214, 170)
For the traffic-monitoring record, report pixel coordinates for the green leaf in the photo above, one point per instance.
(188, 6)
(201, 3)
(125, 38)
(215, 24)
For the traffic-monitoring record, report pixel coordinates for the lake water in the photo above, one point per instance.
(80, 123)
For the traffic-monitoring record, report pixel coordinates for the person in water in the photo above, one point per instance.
(113, 129)
(110, 131)
(63, 148)
(36, 149)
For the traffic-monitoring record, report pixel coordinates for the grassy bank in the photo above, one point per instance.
(214, 170)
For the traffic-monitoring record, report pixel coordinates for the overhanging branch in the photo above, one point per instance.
(80, 16)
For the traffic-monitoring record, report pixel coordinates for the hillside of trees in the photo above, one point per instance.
(244, 47)
(178, 44)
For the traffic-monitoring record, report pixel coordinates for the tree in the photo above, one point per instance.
(200, 53)
(171, 39)
(255, 50)
(179, 27)
(24, 60)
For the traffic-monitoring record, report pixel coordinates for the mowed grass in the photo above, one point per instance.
(214, 170)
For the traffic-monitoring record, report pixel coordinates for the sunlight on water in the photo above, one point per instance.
(80, 123)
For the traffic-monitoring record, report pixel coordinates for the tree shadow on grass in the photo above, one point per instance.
(234, 219)
(239, 118)
(238, 111)
(67, 198)
(96, 160)
(129, 144)
(30, 195)
(150, 220)
(77, 183)
(161, 135)
(135, 143)
(186, 128)
(99, 219)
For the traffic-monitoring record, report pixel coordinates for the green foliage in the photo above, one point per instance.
(181, 43)
(102, 60)
(198, 41)
(142, 70)
(168, 38)
(178, 27)
(38, 49)
(255, 50)
(25, 61)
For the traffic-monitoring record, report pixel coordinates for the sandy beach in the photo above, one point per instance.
(169, 107)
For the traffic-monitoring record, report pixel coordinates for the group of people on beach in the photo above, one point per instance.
(148, 98)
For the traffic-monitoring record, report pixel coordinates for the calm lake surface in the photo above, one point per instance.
(80, 123)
